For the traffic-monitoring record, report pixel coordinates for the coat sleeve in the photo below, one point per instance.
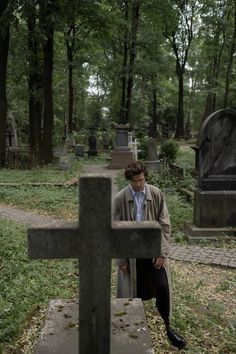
(116, 210)
(164, 220)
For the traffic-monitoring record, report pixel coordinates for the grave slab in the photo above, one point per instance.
(129, 329)
(196, 233)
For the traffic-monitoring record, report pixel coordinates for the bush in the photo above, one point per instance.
(169, 150)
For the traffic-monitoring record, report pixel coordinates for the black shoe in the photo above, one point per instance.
(175, 339)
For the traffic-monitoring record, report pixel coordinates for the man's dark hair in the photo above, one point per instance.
(134, 169)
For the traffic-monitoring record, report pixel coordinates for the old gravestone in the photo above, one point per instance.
(95, 241)
(122, 155)
(215, 198)
(92, 141)
(61, 157)
(152, 163)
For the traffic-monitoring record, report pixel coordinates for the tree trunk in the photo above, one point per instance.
(122, 118)
(179, 132)
(154, 116)
(34, 86)
(211, 100)
(47, 147)
(70, 44)
(230, 62)
(4, 47)
(134, 30)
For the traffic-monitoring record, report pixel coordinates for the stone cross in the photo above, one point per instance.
(95, 241)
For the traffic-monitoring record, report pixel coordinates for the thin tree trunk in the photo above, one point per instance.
(154, 116)
(122, 118)
(4, 47)
(134, 30)
(35, 87)
(47, 147)
(70, 44)
(230, 62)
(211, 100)
(179, 132)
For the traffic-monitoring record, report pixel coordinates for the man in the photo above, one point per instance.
(146, 278)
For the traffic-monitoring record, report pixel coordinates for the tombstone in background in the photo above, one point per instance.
(61, 158)
(105, 140)
(122, 155)
(9, 135)
(70, 141)
(11, 132)
(152, 162)
(165, 131)
(79, 150)
(12, 148)
(95, 241)
(215, 198)
(92, 141)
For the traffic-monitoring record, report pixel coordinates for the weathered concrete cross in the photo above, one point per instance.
(95, 241)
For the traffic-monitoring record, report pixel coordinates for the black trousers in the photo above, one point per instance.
(153, 283)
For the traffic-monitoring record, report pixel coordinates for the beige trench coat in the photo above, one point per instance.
(154, 210)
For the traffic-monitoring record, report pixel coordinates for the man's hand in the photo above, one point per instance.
(158, 262)
(124, 268)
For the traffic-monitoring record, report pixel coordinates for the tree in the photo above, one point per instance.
(35, 80)
(4, 47)
(129, 55)
(214, 17)
(180, 37)
(47, 13)
(231, 58)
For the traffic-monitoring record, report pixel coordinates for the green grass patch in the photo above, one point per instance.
(59, 202)
(49, 173)
(26, 284)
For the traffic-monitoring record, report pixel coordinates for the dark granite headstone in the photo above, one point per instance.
(215, 198)
(79, 150)
(92, 141)
(216, 151)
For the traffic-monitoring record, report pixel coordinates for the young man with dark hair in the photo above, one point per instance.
(146, 278)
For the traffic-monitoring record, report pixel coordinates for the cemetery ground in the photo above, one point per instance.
(204, 296)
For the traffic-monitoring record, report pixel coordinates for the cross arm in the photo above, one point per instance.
(53, 242)
(137, 239)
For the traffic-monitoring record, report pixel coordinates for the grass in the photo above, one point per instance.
(60, 202)
(204, 305)
(27, 285)
(49, 173)
(203, 312)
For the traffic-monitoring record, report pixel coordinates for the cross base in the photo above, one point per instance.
(129, 329)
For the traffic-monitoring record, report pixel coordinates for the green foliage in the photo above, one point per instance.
(27, 284)
(186, 158)
(169, 150)
(143, 147)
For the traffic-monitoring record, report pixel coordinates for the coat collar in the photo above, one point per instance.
(129, 196)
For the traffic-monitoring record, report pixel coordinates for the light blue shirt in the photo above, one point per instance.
(139, 198)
